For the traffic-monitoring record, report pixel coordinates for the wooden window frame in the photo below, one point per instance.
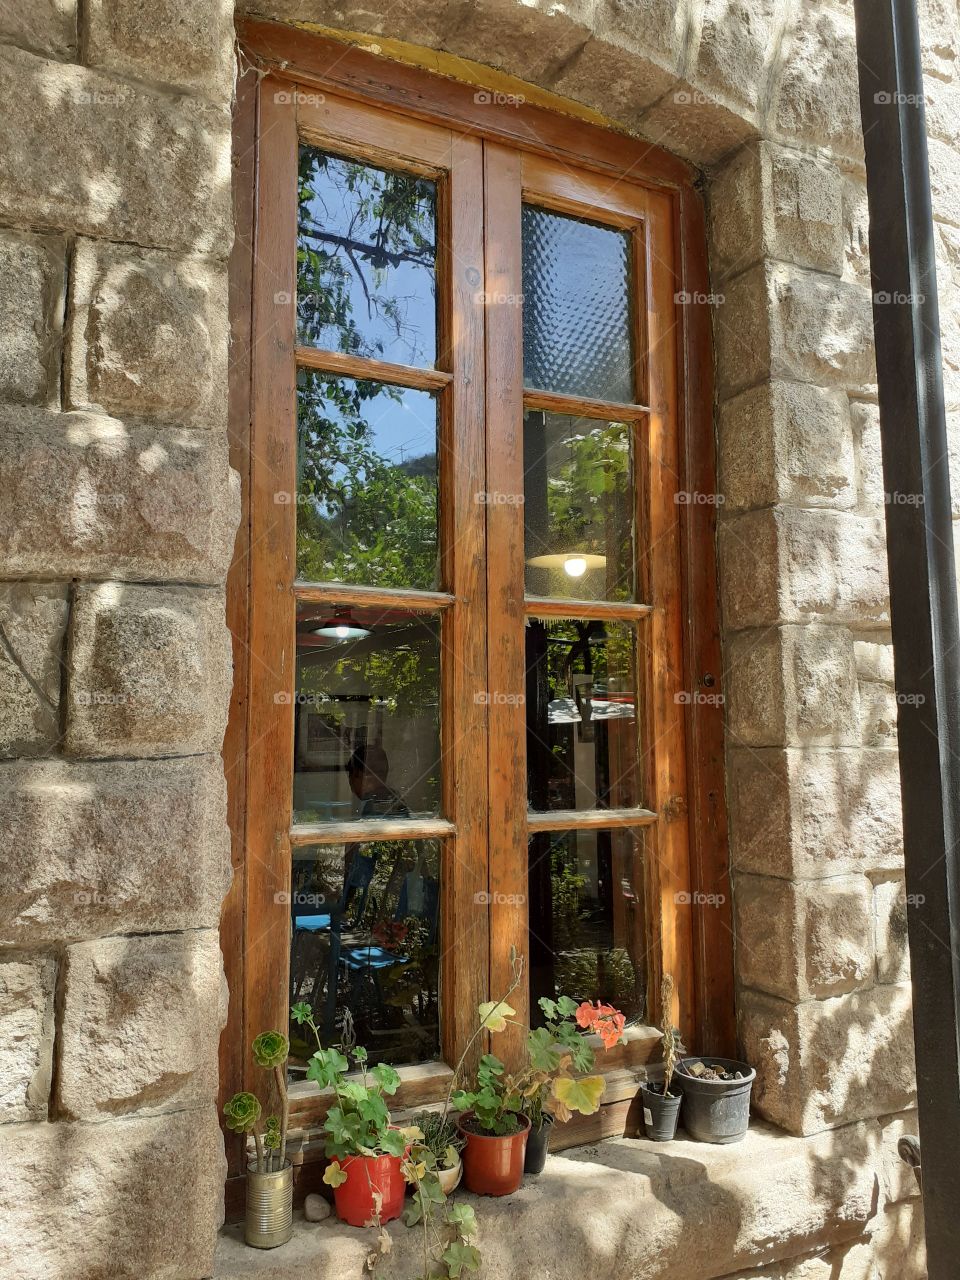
(378, 110)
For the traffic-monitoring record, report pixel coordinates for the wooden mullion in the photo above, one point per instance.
(341, 364)
(590, 610)
(666, 845)
(509, 921)
(309, 833)
(583, 406)
(589, 819)
(464, 919)
(366, 597)
(272, 605)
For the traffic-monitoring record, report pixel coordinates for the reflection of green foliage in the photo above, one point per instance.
(361, 517)
(568, 884)
(402, 677)
(585, 492)
(606, 975)
(392, 221)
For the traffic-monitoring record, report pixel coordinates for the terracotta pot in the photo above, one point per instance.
(493, 1163)
(450, 1178)
(365, 1174)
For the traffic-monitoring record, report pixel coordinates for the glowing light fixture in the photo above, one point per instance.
(342, 626)
(573, 563)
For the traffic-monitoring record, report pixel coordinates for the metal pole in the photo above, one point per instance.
(923, 589)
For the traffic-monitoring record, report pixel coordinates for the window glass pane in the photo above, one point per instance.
(587, 923)
(576, 307)
(365, 947)
(366, 260)
(367, 483)
(578, 507)
(367, 716)
(582, 721)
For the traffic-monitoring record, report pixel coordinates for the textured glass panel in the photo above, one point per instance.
(578, 507)
(366, 260)
(367, 715)
(576, 307)
(365, 947)
(587, 922)
(367, 482)
(582, 721)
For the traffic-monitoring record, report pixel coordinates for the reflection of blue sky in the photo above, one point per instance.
(393, 304)
(402, 426)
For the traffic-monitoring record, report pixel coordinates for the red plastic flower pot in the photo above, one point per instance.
(493, 1163)
(365, 1175)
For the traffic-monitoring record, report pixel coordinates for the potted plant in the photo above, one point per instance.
(493, 1119)
(364, 1148)
(556, 1050)
(661, 1107)
(449, 1247)
(440, 1139)
(716, 1098)
(269, 1210)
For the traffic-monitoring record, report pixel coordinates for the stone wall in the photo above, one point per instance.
(119, 512)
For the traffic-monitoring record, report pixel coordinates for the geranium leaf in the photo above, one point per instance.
(581, 1095)
(494, 1014)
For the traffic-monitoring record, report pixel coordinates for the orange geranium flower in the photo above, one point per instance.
(604, 1020)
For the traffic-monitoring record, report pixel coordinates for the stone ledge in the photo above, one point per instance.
(628, 1208)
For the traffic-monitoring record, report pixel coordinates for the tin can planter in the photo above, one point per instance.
(660, 1112)
(538, 1144)
(269, 1216)
(353, 1199)
(492, 1162)
(716, 1110)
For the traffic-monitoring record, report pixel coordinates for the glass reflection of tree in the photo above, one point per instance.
(366, 519)
(586, 492)
(385, 226)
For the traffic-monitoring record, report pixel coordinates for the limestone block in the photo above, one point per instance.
(523, 40)
(944, 181)
(942, 111)
(939, 37)
(792, 565)
(844, 1262)
(817, 99)
(117, 847)
(175, 42)
(696, 125)
(897, 1179)
(874, 659)
(856, 228)
(791, 686)
(878, 714)
(32, 273)
(140, 1025)
(737, 41)
(33, 620)
(899, 1245)
(813, 814)
(44, 26)
(827, 1062)
(778, 321)
(631, 55)
(890, 917)
(865, 418)
(803, 940)
(122, 1198)
(148, 335)
(26, 1035)
(787, 442)
(91, 153)
(774, 202)
(88, 496)
(150, 671)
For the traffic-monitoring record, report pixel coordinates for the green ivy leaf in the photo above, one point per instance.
(461, 1257)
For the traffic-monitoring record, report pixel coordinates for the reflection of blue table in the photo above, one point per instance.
(311, 923)
(358, 958)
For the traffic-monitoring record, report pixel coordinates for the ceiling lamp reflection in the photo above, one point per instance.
(573, 563)
(342, 626)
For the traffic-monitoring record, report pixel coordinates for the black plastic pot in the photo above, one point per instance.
(716, 1110)
(537, 1144)
(660, 1112)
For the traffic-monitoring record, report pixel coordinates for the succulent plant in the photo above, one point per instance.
(271, 1049)
(242, 1112)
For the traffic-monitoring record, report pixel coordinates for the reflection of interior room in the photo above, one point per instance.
(377, 687)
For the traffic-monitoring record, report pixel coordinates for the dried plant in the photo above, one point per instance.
(673, 1048)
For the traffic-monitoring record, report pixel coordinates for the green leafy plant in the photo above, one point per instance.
(359, 1124)
(243, 1112)
(449, 1246)
(439, 1136)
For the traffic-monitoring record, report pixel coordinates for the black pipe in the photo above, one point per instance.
(923, 588)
